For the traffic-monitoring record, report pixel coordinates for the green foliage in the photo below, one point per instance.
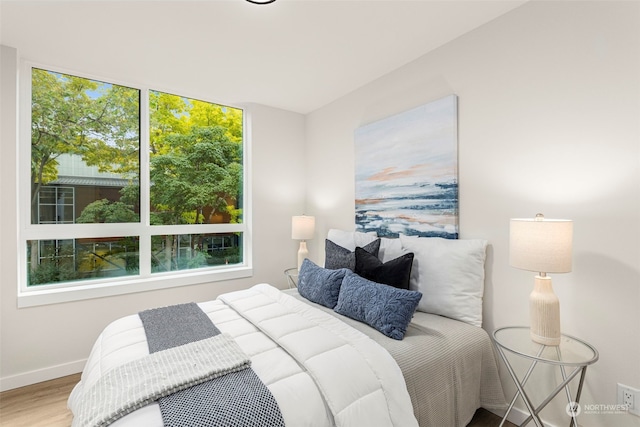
(198, 259)
(114, 141)
(235, 214)
(78, 116)
(225, 256)
(104, 211)
(167, 116)
(206, 114)
(200, 169)
(51, 271)
(72, 260)
(57, 264)
(130, 194)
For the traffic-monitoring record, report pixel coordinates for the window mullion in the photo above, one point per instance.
(145, 221)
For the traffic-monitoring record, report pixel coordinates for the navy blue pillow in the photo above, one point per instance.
(396, 272)
(338, 257)
(383, 307)
(320, 285)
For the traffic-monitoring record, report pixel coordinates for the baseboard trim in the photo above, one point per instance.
(40, 375)
(517, 416)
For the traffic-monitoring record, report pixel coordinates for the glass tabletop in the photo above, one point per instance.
(571, 351)
(292, 277)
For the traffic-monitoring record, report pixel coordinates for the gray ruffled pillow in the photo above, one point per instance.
(383, 307)
(338, 257)
(320, 285)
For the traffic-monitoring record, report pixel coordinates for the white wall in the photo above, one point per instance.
(45, 342)
(549, 113)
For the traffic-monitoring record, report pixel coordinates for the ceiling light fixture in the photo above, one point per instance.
(261, 1)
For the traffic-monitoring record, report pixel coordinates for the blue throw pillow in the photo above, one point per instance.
(383, 307)
(320, 285)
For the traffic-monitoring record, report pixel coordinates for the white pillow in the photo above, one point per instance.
(390, 249)
(351, 239)
(450, 275)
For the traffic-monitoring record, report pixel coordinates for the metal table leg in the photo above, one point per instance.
(521, 391)
(524, 381)
(553, 394)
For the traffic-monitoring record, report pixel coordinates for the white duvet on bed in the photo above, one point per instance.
(320, 371)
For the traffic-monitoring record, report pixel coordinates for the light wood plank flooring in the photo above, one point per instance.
(45, 405)
(38, 405)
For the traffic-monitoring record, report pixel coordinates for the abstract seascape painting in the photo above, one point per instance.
(407, 172)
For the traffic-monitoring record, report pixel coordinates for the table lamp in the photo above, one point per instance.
(544, 246)
(302, 228)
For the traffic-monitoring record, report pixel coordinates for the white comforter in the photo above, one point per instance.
(320, 371)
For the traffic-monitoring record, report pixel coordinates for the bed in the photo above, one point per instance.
(322, 368)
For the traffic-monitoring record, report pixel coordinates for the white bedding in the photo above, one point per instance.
(449, 366)
(321, 371)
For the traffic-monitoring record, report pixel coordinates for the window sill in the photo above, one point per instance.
(37, 297)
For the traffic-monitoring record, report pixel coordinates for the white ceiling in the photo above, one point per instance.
(298, 55)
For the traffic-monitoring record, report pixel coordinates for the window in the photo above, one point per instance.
(130, 189)
(56, 205)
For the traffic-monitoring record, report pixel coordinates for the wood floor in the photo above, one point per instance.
(38, 405)
(45, 405)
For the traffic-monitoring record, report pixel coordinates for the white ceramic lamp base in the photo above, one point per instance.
(302, 253)
(544, 311)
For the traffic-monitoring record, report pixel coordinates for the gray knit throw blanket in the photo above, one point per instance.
(237, 399)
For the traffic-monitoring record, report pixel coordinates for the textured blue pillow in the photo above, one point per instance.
(383, 307)
(320, 285)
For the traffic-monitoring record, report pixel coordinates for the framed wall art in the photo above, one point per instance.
(407, 172)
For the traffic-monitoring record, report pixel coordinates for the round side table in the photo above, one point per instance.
(571, 353)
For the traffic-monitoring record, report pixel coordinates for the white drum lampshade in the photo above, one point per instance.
(543, 246)
(302, 228)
